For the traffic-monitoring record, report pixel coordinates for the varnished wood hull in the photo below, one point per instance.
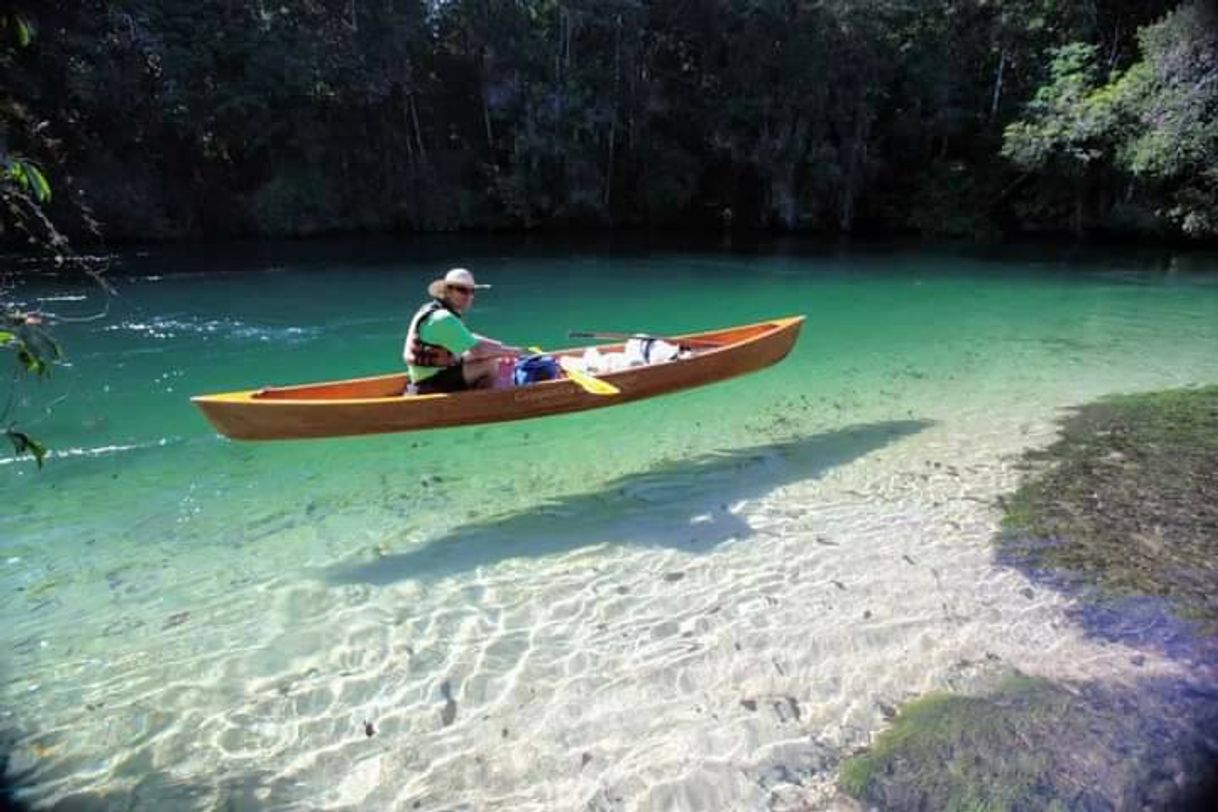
(376, 406)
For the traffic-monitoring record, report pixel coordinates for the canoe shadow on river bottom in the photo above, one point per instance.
(685, 505)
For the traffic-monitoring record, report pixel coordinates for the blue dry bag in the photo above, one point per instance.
(534, 369)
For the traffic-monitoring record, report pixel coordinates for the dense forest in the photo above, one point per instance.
(978, 118)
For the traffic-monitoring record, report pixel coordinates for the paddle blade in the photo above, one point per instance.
(591, 385)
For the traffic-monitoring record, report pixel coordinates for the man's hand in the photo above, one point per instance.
(489, 348)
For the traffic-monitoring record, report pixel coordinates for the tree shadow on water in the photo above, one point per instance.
(685, 505)
(1146, 622)
(34, 763)
(1119, 513)
(148, 788)
(9, 783)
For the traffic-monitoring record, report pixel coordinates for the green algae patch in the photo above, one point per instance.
(1124, 503)
(1033, 744)
(1127, 500)
(962, 752)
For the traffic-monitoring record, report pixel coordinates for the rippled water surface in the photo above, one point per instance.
(700, 601)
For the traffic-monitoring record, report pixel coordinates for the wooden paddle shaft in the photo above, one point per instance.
(693, 342)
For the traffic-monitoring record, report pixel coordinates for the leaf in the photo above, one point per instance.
(31, 362)
(39, 342)
(29, 176)
(16, 171)
(25, 31)
(42, 189)
(7, 337)
(25, 444)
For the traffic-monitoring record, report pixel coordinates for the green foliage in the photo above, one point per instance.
(215, 117)
(24, 195)
(292, 203)
(24, 444)
(18, 27)
(1070, 121)
(1152, 127)
(1173, 93)
(28, 176)
(35, 351)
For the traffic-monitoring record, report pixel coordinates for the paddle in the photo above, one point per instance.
(590, 384)
(693, 342)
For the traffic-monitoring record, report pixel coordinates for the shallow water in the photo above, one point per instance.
(699, 601)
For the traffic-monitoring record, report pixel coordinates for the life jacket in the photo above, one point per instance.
(420, 353)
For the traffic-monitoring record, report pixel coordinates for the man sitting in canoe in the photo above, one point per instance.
(441, 353)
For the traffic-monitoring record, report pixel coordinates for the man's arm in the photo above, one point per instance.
(449, 332)
(490, 348)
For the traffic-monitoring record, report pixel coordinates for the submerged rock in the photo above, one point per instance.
(449, 713)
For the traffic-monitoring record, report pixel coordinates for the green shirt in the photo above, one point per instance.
(443, 329)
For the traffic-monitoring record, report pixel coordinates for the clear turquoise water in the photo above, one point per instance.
(189, 619)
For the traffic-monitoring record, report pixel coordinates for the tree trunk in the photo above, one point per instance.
(855, 167)
(486, 106)
(407, 128)
(1002, 64)
(418, 133)
(486, 120)
(617, 69)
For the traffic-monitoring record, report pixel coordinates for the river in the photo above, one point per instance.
(702, 601)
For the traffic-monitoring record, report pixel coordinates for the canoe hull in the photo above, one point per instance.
(375, 405)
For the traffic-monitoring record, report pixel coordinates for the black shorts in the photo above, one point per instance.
(449, 379)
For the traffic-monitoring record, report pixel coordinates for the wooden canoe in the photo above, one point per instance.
(376, 405)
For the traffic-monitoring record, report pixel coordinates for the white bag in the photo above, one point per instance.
(643, 351)
(592, 362)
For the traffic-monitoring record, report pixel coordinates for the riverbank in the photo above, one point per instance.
(1120, 515)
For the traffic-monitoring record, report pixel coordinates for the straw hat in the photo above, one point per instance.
(457, 276)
